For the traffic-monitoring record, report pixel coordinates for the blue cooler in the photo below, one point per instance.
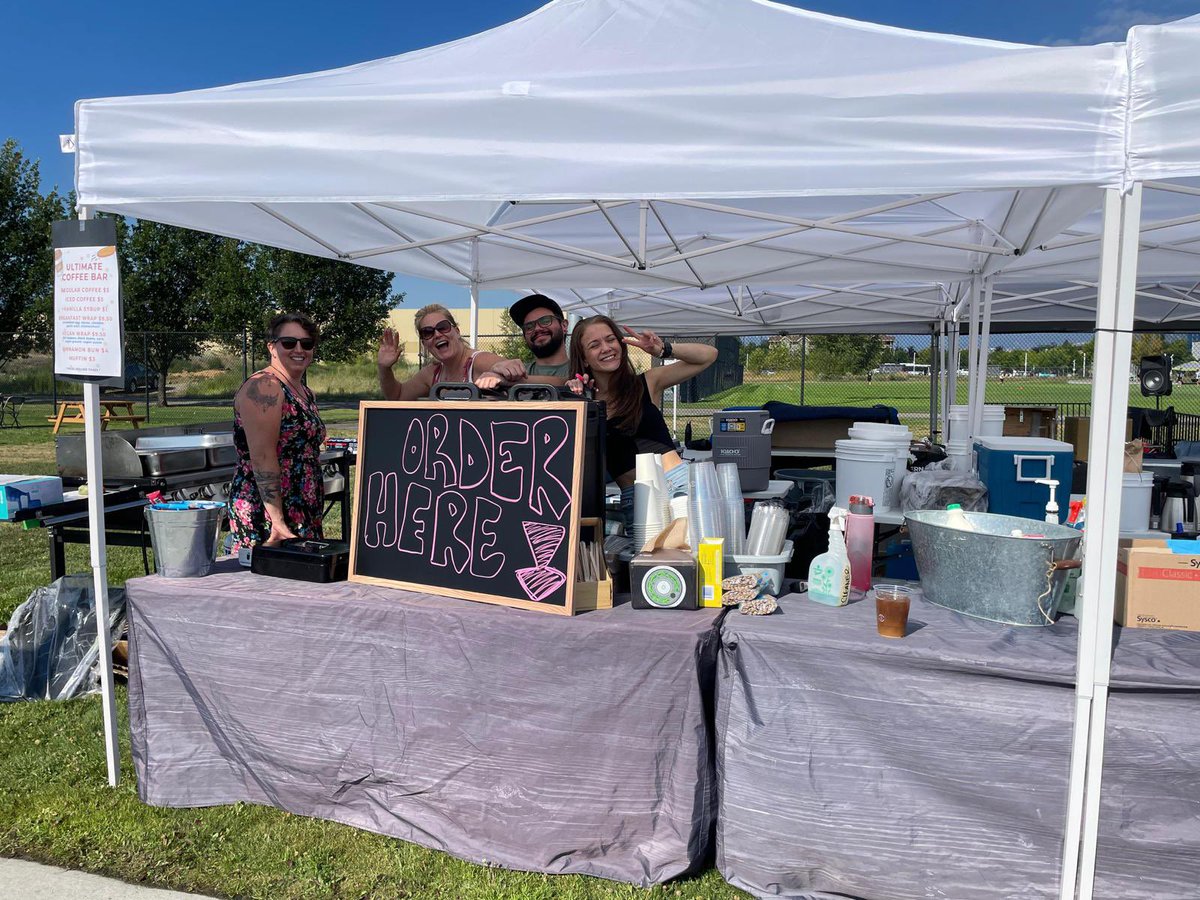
(1010, 468)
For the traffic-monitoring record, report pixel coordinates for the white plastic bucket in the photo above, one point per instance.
(871, 468)
(958, 427)
(897, 436)
(959, 454)
(1136, 488)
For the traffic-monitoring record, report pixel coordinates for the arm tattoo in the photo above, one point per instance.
(268, 486)
(264, 400)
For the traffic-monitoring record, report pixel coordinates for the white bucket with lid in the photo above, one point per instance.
(959, 453)
(898, 436)
(958, 426)
(872, 468)
(1136, 488)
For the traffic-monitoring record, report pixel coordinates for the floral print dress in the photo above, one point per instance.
(301, 484)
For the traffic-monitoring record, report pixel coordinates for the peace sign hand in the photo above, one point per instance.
(646, 340)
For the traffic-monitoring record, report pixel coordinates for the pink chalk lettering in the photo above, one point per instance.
(380, 527)
(475, 464)
(539, 582)
(544, 540)
(412, 453)
(413, 526)
(550, 435)
(484, 564)
(438, 458)
(451, 532)
(508, 468)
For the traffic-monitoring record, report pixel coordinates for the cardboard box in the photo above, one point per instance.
(1077, 433)
(711, 560)
(1158, 584)
(664, 579)
(811, 434)
(18, 492)
(1030, 421)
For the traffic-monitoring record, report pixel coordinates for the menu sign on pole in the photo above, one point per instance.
(88, 343)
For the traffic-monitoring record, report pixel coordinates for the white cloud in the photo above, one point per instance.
(1113, 19)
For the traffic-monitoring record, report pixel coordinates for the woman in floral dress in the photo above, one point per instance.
(277, 491)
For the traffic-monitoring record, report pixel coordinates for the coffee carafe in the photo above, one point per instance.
(1178, 507)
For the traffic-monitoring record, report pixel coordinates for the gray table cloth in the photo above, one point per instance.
(851, 765)
(528, 740)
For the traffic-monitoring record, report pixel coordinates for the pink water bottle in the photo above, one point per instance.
(860, 541)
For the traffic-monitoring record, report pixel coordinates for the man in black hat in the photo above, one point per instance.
(544, 328)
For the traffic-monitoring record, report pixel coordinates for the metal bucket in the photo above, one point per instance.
(184, 536)
(989, 574)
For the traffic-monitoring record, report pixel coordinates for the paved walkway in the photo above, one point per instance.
(21, 880)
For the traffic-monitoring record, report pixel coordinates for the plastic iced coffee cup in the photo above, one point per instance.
(891, 609)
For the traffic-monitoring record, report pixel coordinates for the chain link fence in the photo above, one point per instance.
(178, 378)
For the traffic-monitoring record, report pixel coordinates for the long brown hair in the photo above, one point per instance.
(625, 390)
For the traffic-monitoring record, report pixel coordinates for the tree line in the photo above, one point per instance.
(182, 288)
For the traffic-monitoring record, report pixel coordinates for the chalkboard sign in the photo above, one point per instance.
(470, 499)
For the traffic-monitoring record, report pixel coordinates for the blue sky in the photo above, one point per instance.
(54, 53)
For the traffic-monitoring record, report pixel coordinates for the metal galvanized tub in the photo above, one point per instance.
(184, 536)
(987, 572)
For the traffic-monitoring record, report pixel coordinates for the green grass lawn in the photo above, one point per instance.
(56, 807)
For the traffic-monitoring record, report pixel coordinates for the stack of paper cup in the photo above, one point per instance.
(734, 507)
(650, 508)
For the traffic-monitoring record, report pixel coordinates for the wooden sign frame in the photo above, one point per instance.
(575, 410)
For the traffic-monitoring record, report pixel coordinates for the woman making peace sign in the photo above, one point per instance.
(600, 354)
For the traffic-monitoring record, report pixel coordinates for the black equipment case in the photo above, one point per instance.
(303, 559)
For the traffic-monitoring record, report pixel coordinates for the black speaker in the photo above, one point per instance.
(1154, 374)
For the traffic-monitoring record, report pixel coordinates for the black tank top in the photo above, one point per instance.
(652, 436)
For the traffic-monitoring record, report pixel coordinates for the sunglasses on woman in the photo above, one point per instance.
(289, 343)
(540, 322)
(442, 327)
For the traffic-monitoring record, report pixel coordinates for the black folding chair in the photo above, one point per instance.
(10, 410)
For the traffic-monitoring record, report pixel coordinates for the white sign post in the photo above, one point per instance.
(88, 347)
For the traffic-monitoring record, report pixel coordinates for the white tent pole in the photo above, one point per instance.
(1110, 402)
(1110, 405)
(954, 360)
(972, 353)
(473, 318)
(99, 559)
(985, 336)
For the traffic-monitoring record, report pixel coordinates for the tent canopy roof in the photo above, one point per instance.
(636, 143)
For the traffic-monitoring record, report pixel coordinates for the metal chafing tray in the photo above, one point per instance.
(185, 441)
(172, 462)
(225, 455)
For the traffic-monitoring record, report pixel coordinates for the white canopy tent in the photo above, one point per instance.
(636, 144)
(631, 143)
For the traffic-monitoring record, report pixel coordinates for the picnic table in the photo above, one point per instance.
(70, 412)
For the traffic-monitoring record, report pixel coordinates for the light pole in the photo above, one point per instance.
(1085, 365)
(1026, 363)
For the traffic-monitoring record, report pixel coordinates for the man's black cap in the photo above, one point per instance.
(521, 308)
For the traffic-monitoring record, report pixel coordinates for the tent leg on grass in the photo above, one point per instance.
(1110, 403)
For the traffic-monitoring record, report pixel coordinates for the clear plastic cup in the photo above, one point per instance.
(891, 609)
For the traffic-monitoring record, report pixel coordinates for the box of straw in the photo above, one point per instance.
(711, 559)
